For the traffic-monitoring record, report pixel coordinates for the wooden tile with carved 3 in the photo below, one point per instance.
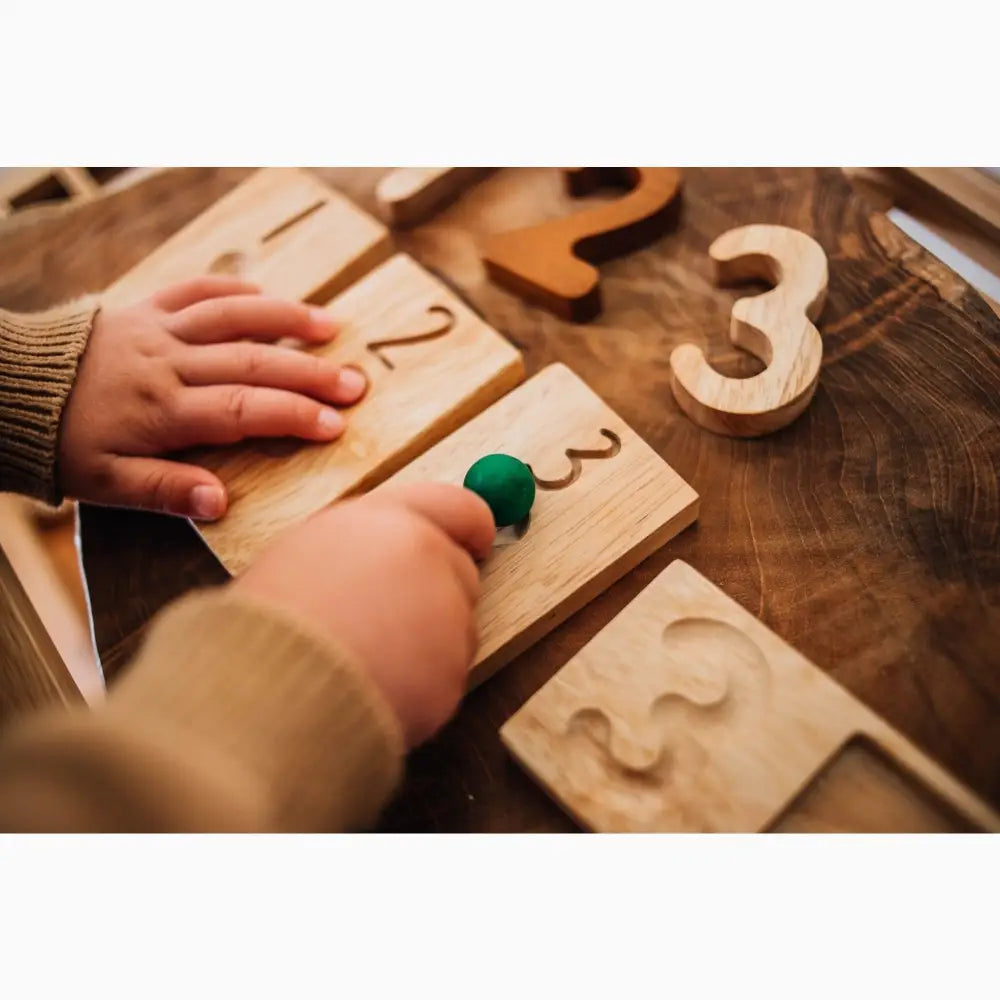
(686, 714)
(598, 518)
(431, 363)
(283, 229)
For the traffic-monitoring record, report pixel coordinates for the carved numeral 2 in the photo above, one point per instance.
(448, 322)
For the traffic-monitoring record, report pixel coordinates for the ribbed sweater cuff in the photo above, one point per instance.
(285, 705)
(39, 354)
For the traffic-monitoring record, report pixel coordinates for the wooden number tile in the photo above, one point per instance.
(411, 195)
(687, 714)
(283, 229)
(605, 501)
(431, 364)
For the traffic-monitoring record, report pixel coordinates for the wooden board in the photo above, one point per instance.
(284, 229)
(22, 187)
(687, 714)
(411, 195)
(431, 363)
(580, 538)
(974, 192)
(32, 673)
(46, 563)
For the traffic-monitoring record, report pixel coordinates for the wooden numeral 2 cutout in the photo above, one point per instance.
(552, 264)
(776, 327)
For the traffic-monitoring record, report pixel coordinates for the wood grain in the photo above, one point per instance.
(685, 715)
(928, 208)
(862, 790)
(975, 194)
(552, 263)
(431, 363)
(411, 195)
(865, 534)
(21, 187)
(776, 327)
(45, 571)
(581, 537)
(283, 229)
(32, 674)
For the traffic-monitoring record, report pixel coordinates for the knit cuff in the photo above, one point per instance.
(285, 705)
(39, 354)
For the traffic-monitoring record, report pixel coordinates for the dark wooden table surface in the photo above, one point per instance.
(866, 534)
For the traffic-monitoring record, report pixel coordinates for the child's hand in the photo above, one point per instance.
(173, 372)
(391, 577)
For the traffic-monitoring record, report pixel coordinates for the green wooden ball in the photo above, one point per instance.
(506, 484)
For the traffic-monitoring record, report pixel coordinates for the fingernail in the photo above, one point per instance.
(207, 502)
(324, 320)
(352, 382)
(330, 423)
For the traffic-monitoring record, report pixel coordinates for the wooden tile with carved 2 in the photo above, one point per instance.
(597, 518)
(431, 364)
(687, 714)
(283, 229)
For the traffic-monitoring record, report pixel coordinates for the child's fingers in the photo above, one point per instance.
(167, 487)
(460, 513)
(225, 414)
(276, 367)
(208, 286)
(239, 316)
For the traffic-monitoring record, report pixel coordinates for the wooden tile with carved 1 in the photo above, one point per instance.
(687, 714)
(283, 229)
(605, 501)
(431, 364)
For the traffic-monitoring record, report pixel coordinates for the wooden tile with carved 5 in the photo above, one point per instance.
(284, 229)
(605, 501)
(431, 364)
(686, 714)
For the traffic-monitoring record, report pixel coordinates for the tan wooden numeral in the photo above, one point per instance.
(776, 327)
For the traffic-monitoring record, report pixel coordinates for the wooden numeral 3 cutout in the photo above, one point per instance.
(776, 327)
(686, 714)
(552, 264)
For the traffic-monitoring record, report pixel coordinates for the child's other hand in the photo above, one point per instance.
(173, 372)
(391, 577)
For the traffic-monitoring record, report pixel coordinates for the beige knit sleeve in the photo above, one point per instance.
(233, 717)
(39, 354)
